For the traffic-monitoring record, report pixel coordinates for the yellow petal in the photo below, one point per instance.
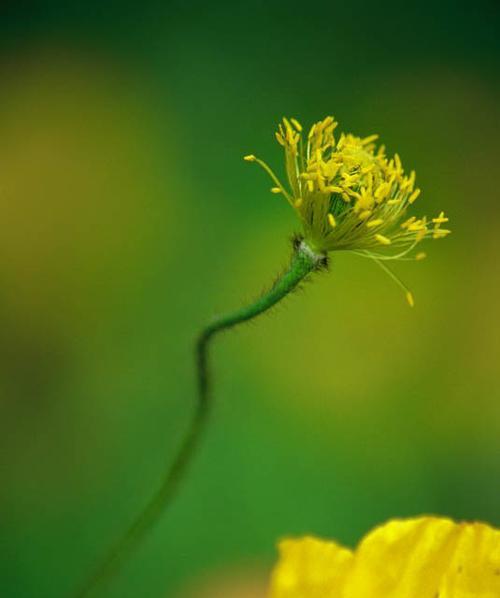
(309, 568)
(426, 557)
(474, 569)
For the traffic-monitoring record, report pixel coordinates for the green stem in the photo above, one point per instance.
(303, 262)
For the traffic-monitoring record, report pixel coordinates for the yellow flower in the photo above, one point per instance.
(426, 557)
(349, 195)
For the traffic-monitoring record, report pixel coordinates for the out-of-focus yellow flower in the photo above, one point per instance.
(426, 557)
(349, 195)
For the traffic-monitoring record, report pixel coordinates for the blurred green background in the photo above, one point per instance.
(128, 218)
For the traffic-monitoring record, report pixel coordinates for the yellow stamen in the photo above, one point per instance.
(366, 214)
(382, 191)
(349, 179)
(369, 139)
(407, 223)
(298, 202)
(414, 196)
(375, 222)
(274, 178)
(275, 190)
(352, 193)
(411, 180)
(416, 226)
(331, 220)
(382, 240)
(296, 124)
(440, 219)
(439, 233)
(327, 121)
(397, 280)
(420, 256)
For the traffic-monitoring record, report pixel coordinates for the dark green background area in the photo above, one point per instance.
(127, 218)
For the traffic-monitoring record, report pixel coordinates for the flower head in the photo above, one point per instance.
(427, 557)
(349, 195)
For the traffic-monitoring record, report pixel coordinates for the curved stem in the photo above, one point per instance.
(303, 262)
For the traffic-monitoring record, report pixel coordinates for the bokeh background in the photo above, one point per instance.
(128, 218)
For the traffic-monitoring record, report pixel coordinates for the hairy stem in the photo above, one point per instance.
(303, 262)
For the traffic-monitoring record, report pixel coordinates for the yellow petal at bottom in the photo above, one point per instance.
(426, 557)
